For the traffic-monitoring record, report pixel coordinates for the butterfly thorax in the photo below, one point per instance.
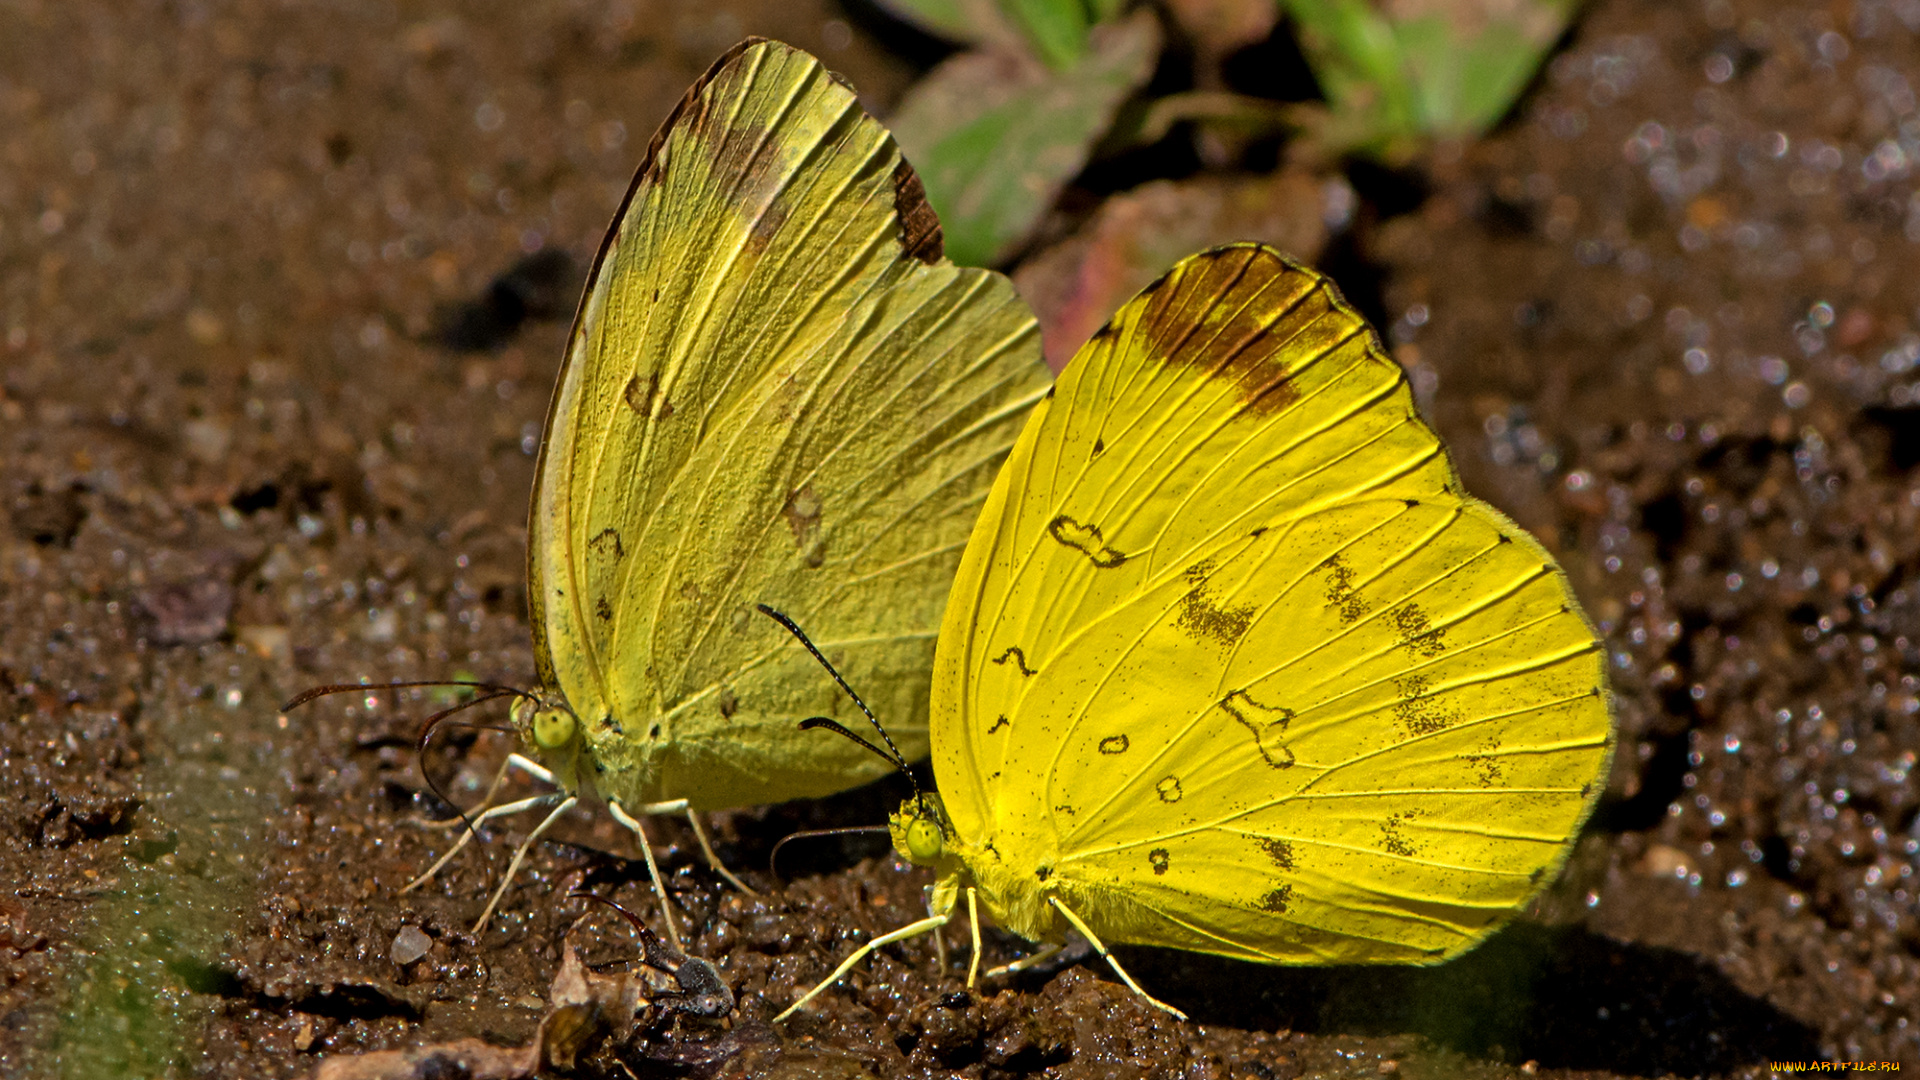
(1016, 898)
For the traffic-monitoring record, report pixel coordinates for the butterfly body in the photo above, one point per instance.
(1232, 665)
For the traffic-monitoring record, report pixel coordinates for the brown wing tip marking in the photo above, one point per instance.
(1019, 659)
(1202, 617)
(920, 234)
(1279, 851)
(1160, 859)
(1115, 744)
(1267, 724)
(1085, 539)
(1227, 321)
(1169, 789)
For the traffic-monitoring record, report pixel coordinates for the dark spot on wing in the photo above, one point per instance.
(1267, 724)
(1099, 445)
(1276, 901)
(920, 235)
(653, 733)
(1169, 789)
(1417, 634)
(603, 609)
(802, 511)
(1347, 604)
(1279, 851)
(998, 724)
(1087, 540)
(1160, 859)
(1043, 873)
(606, 543)
(641, 395)
(1114, 744)
(728, 703)
(1020, 658)
(1392, 840)
(1202, 617)
(1419, 713)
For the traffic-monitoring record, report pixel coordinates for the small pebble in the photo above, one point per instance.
(409, 944)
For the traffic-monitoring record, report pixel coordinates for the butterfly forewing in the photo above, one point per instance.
(777, 392)
(1281, 691)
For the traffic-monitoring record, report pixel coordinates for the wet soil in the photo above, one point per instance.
(1666, 317)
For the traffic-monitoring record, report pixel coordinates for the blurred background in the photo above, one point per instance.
(283, 288)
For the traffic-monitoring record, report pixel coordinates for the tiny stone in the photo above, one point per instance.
(409, 944)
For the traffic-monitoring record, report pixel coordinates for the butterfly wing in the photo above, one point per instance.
(777, 391)
(1232, 664)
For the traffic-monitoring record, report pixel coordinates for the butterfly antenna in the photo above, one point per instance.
(432, 722)
(809, 834)
(347, 688)
(490, 692)
(898, 759)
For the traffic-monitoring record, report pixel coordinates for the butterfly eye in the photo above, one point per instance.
(924, 843)
(553, 728)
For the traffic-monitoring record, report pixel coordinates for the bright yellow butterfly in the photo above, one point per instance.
(1233, 665)
(777, 389)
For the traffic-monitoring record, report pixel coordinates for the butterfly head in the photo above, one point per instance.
(920, 830)
(548, 724)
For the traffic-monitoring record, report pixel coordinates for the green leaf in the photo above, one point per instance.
(995, 135)
(1449, 69)
(1056, 30)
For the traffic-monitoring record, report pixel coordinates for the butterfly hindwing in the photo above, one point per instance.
(777, 392)
(1239, 665)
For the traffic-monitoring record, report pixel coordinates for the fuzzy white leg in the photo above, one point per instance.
(503, 810)
(1101, 948)
(931, 922)
(1046, 953)
(519, 856)
(653, 869)
(529, 766)
(973, 917)
(680, 806)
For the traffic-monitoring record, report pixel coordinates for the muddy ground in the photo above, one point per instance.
(1668, 316)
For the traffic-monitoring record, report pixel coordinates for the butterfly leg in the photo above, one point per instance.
(973, 917)
(653, 869)
(1046, 953)
(931, 922)
(679, 806)
(1101, 948)
(519, 856)
(514, 761)
(503, 810)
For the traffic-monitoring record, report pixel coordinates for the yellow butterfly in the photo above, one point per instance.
(776, 389)
(1233, 665)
